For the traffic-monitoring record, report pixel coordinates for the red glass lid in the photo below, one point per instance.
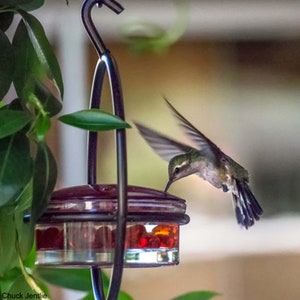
(103, 200)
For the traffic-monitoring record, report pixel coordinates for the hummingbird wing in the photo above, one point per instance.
(206, 145)
(247, 208)
(165, 147)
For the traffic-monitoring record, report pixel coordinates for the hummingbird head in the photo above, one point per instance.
(179, 166)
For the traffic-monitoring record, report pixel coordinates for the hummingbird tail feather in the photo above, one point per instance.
(247, 208)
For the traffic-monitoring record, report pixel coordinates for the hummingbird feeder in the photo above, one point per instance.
(112, 225)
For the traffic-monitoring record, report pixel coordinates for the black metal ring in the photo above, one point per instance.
(180, 219)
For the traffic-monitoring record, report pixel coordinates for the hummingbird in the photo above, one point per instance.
(209, 162)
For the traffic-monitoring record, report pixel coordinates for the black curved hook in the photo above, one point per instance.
(86, 16)
(107, 63)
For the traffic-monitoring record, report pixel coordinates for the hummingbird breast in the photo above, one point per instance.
(208, 171)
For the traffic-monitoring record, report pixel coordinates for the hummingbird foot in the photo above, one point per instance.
(225, 188)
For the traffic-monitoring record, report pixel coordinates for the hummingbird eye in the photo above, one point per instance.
(176, 170)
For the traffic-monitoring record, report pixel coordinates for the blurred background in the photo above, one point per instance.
(233, 70)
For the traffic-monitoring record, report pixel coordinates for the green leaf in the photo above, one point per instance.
(30, 77)
(48, 99)
(23, 288)
(15, 167)
(12, 121)
(122, 296)
(14, 2)
(6, 19)
(30, 259)
(33, 288)
(44, 179)
(94, 120)
(10, 224)
(8, 280)
(20, 287)
(25, 236)
(32, 5)
(43, 49)
(199, 295)
(42, 126)
(24, 200)
(8, 257)
(28, 69)
(24, 4)
(6, 64)
(14, 105)
(76, 279)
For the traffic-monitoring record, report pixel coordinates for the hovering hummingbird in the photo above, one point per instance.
(207, 161)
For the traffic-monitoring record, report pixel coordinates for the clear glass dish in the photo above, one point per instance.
(78, 228)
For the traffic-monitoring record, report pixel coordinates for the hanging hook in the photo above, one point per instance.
(107, 63)
(86, 15)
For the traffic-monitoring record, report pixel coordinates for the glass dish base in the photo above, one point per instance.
(132, 258)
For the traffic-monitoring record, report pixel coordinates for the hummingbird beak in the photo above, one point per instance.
(168, 185)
